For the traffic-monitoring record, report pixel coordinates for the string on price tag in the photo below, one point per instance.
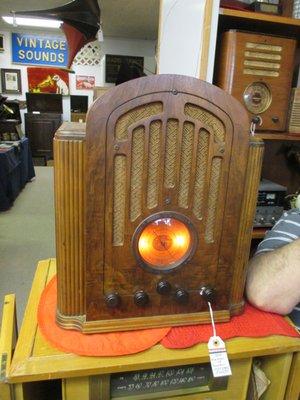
(217, 352)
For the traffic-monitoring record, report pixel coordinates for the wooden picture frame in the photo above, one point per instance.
(1, 42)
(11, 81)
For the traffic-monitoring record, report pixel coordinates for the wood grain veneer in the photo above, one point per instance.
(158, 144)
(69, 212)
(247, 58)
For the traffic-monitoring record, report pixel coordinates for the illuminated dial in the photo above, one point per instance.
(257, 97)
(164, 241)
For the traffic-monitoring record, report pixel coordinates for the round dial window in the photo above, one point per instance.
(163, 242)
(257, 97)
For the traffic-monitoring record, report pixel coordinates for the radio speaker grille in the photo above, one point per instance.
(213, 198)
(201, 168)
(170, 155)
(119, 195)
(262, 59)
(137, 114)
(185, 164)
(136, 183)
(294, 112)
(154, 160)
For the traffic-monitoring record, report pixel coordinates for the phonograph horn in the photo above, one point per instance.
(81, 22)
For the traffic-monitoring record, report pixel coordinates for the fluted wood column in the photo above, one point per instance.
(246, 222)
(69, 214)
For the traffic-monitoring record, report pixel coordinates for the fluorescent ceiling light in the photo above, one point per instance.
(38, 22)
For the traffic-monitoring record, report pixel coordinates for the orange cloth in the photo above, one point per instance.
(252, 323)
(102, 344)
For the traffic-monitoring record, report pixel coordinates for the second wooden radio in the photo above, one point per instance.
(154, 206)
(257, 69)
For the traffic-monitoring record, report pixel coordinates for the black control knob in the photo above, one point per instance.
(208, 293)
(163, 287)
(181, 296)
(141, 298)
(275, 120)
(256, 119)
(112, 300)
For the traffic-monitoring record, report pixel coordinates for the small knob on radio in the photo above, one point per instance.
(112, 300)
(141, 298)
(163, 287)
(208, 293)
(256, 119)
(275, 120)
(181, 296)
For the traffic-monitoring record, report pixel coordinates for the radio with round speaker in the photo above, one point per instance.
(155, 201)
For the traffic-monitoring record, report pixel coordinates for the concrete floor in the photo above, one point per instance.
(26, 236)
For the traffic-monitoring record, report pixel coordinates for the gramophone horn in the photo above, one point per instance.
(81, 22)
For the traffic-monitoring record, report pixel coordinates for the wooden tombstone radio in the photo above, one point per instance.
(154, 206)
(257, 69)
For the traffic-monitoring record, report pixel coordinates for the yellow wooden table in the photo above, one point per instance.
(89, 378)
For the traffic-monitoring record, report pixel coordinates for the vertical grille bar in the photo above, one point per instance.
(153, 164)
(213, 199)
(185, 164)
(170, 154)
(119, 198)
(201, 168)
(137, 162)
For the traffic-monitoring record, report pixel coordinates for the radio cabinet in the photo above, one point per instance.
(257, 69)
(154, 205)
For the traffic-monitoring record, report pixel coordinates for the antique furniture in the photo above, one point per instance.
(43, 118)
(36, 364)
(154, 206)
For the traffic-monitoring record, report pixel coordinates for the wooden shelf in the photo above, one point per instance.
(275, 19)
(278, 136)
(258, 22)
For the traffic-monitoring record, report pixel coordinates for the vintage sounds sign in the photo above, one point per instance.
(39, 50)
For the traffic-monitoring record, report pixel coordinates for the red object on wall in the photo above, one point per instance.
(48, 80)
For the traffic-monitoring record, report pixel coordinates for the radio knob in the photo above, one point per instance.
(275, 120)
(256, 119)
(181, 296)
(208, 293)
(141, 298)
(163, 287)
(112, 300)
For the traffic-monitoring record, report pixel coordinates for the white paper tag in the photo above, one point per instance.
(218, 357)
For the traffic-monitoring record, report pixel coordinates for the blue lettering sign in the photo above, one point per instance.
(39, 50)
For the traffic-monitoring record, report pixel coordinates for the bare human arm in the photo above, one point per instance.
(273, 280)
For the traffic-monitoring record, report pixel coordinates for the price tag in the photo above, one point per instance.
(218, 357)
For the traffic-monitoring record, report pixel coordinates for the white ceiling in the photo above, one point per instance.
(136, 19)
